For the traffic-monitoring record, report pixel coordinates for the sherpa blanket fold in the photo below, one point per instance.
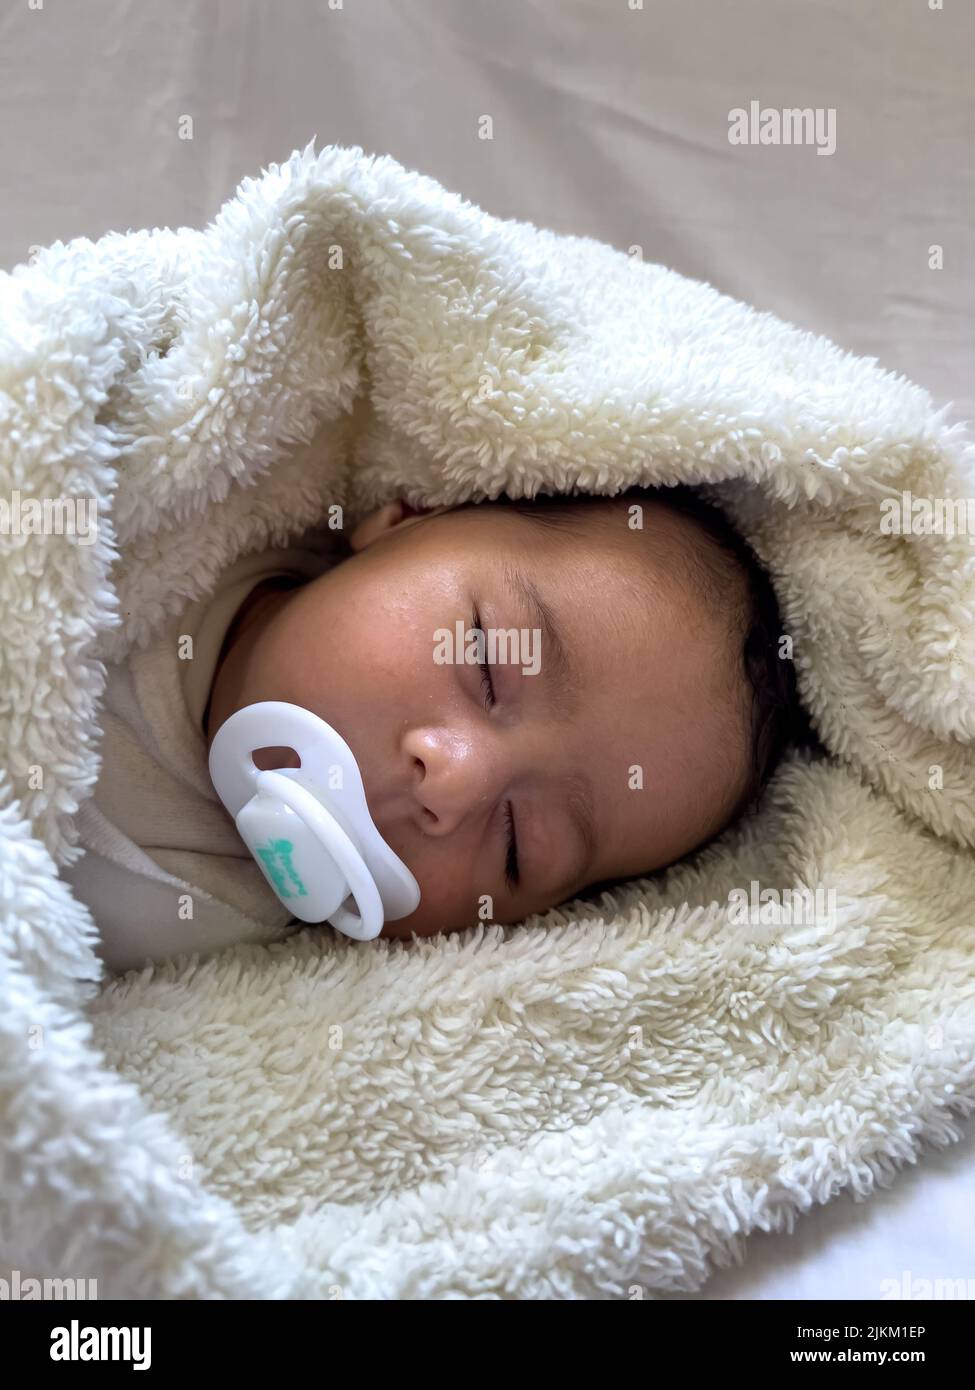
(604, 1101)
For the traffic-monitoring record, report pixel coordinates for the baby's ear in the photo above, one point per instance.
(388, 518)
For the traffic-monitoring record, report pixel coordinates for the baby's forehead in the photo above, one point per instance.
(650, 538)
(620, 516)
(655, 554)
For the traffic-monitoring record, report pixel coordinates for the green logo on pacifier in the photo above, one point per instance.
(276, 858)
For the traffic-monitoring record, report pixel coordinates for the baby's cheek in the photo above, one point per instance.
(447, 900)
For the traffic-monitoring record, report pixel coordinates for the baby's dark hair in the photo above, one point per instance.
(778, 719)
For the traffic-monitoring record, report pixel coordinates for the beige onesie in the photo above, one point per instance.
(165, 870)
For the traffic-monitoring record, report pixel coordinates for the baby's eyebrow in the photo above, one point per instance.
(557, 666)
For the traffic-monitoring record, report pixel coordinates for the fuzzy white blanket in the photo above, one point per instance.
(604, 1101)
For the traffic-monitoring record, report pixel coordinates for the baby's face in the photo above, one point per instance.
(614, 744)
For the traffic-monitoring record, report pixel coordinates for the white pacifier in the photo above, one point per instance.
(309, 828)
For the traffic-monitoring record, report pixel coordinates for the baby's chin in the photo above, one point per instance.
(401, 931)
(421, 924)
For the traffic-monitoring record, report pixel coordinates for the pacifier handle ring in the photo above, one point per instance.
(367, 923)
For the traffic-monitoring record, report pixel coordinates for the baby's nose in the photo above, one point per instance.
(453, 778)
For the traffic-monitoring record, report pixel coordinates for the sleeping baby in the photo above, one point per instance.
(643, 716)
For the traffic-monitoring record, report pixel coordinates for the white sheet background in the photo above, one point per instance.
(607, 121)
